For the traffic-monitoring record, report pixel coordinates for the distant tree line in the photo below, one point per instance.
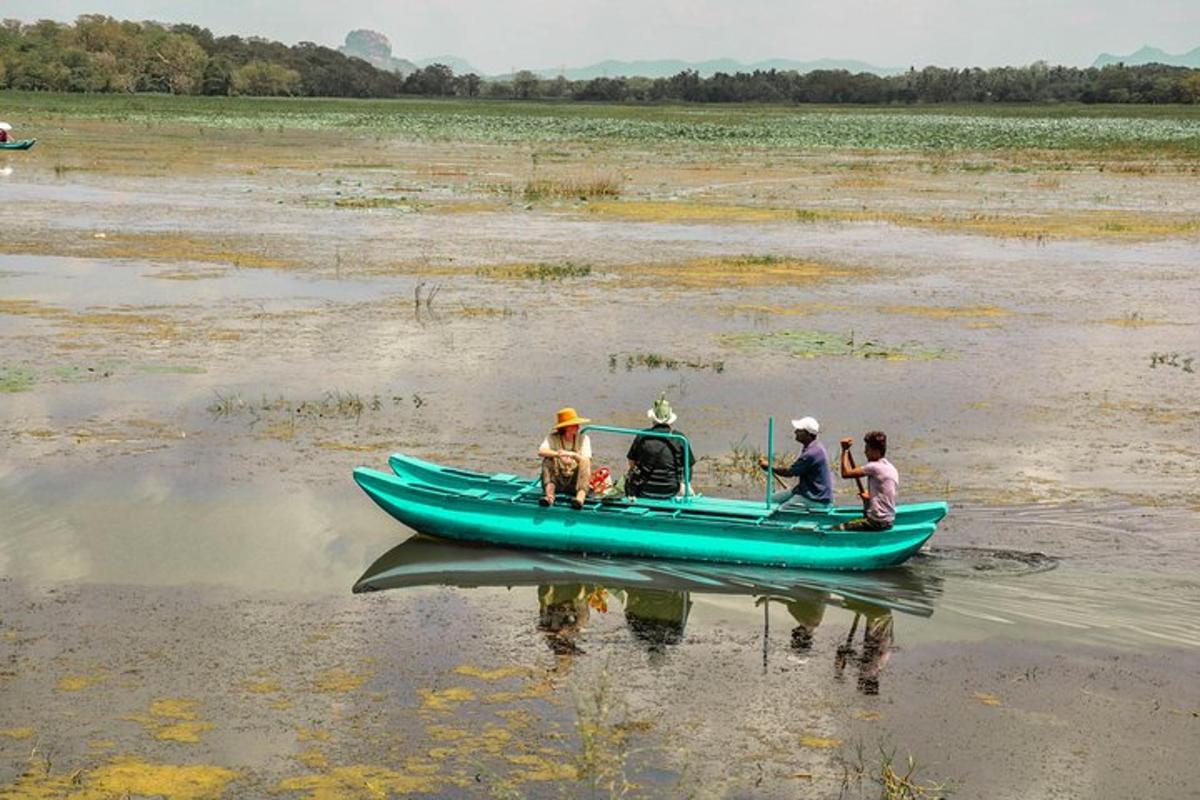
(101, 54)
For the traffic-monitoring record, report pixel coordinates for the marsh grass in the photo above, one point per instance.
(659, 361)
(1175, 360)
(740, 464)
(402, 204)
(535, 272)
(334, 404)
(816, 344)
(571, 188)
(886, 780)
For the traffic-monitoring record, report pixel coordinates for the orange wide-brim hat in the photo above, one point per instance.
(567, 416)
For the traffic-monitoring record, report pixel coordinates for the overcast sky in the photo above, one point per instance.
(498, 36)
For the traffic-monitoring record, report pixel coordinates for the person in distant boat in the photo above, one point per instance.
(814, 479)
(656, 463)
(879, 500)
(566, 460)
(4, 129)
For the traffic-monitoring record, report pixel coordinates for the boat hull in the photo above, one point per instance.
(472, 507)
(21, 144)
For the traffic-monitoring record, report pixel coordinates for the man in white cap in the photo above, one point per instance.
(814, 481)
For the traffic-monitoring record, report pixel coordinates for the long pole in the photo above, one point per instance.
(770, 455)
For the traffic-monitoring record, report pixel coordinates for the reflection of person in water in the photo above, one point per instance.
(807, 608)
(563, 611)
(877, 645)
(657, 617)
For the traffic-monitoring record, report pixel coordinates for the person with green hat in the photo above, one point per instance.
(656, 464)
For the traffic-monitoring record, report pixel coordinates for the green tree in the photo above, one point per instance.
(525, 84)
(263, 79)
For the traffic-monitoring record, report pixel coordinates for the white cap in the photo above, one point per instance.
(4, 126)
(806, 424)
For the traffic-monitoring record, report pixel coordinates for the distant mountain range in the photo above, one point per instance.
(1151, 55)
(664, 68)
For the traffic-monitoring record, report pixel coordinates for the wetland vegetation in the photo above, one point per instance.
(198, 344)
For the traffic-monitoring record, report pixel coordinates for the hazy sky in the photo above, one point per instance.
(498, 36)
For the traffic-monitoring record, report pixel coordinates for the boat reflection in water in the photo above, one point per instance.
(657, 595)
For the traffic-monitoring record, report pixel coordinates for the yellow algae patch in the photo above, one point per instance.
(77, 683)
(947, 312)
(312, 735)
(686, 211)
(312, 758)
(734, 272)
(339, 680)
(870, 716)
(175, 708)
(131, 776)
(173, 720)
(101, 744)
(177, 247)
(263, 686)
(16, 733)
(445, 733)
(445, 699)
(490, 674)
(282, 704)
(353, 447)
(117, 320)
(543, 769)
(988, 699)
(820, 742)
(182, 731)
(125, 777)
(359, 782)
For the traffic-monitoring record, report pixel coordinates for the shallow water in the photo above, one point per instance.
(179, 522)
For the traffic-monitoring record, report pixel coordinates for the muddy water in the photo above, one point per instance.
(192, 366)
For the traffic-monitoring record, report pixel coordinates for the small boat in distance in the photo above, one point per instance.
(18, 144)
(502, 509)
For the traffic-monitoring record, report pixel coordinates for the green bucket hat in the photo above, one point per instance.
(661, 411)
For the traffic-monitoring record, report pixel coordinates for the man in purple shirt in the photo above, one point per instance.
(879, 500)
(814, 480)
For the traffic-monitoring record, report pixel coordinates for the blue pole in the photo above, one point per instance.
(770, 456)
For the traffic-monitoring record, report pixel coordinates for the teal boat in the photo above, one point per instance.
(19, 144)
(502, 509)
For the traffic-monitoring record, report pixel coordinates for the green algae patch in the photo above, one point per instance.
(127, 776)
(15, 379)
(817, 344)
(360, 782)
(339, 681)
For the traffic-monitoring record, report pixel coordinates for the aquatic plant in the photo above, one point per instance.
(1175, 360)
(536, 272)
(891, 783)
(15, 379)
(659, 361)
(815, 344)
(571, 188)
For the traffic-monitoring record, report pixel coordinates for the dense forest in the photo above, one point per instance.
(101, 54)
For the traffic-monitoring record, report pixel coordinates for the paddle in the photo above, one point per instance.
(858, 481)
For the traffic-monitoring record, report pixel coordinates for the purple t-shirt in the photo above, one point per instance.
(882, 482)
